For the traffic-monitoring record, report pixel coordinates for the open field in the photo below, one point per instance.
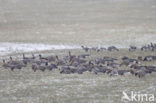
(50, 27)
(26, 86)
(77, 22)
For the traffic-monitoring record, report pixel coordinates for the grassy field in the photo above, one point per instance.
(26, 86)
(98, 23)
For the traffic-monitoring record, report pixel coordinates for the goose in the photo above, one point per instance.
(8, 65)
(81, 69)
(27, 60)
(59, 61)
(40, 57)
(51, 66)
(78, 60)
(140, 73)
(145, 48)
(5, 65)
(38, 67)
(129, 61)
(145, 69)
(34, 67)
(140, 58)
(71, 56)
(17, 64)
(42, 68)
(98, 61)
(43, 59)
(65, 70)
(20, 66)
(100, 69)
(124, 58)
(14, 62)
(134, 66)
(148, 58)
(73, 63)
(81, 61)
(122, 72)
(134, 61)
(12, 66)
(113, 65)
(114, 72)
(151, 68)
(85, 48)
(132, 48)
(125, 62)
(109, 60)
(113, 48)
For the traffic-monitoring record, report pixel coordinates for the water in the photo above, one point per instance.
(30, 25)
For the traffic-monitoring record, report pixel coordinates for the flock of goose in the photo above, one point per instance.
(149, 47)
(80, 63)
